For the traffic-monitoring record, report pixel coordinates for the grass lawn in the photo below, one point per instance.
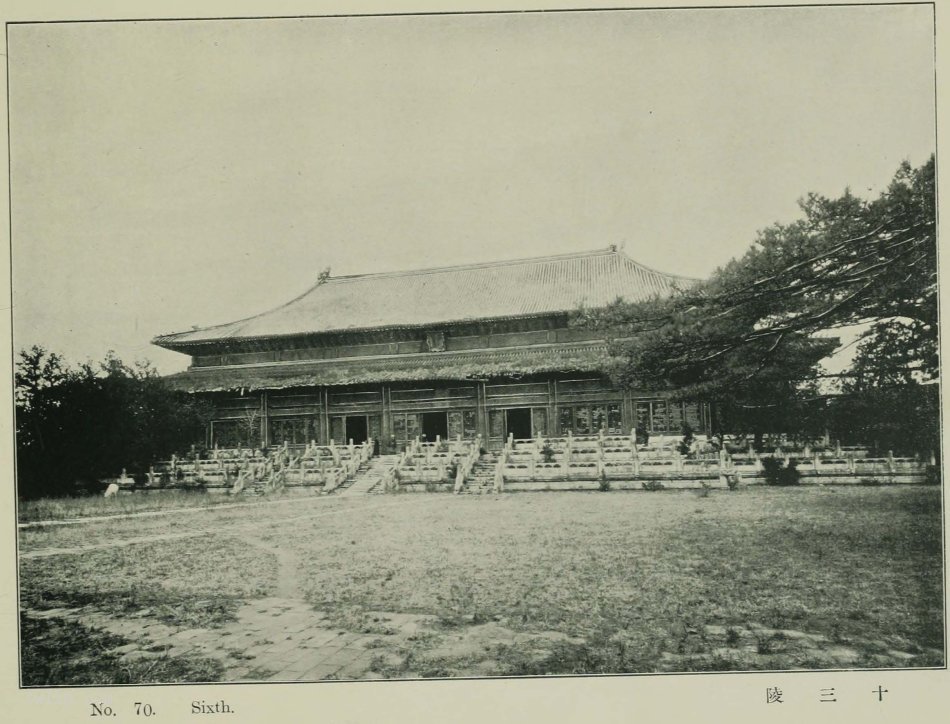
(192, 582)
(637, 576)
(253, 511)
(69, 654)
(85, 506)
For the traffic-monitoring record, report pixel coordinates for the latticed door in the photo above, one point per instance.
(338, 429)
(496, 424)
(374, 426)
(539, 421)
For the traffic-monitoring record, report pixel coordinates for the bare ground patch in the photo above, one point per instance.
(567, 583)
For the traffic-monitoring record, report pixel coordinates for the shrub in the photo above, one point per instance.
(777, 474)
(604, 484)
(547, 453)
(452, 470)
(652, 485)
(932, 475)
(683, 446)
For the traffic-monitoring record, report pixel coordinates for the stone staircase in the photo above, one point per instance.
(256, 487)
(482, 478)
(368, 477)
(259, 487)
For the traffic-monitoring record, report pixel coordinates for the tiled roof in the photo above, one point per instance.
(512, 361)
(528, 287)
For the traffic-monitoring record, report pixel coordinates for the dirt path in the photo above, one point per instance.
(287, 567)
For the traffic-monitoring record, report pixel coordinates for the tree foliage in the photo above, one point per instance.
(745, 337)
(75, 426)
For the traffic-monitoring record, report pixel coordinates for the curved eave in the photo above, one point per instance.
(445, 296)
(477, 364)
(167, 341)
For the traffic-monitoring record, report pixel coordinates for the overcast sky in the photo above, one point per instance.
(170, 174)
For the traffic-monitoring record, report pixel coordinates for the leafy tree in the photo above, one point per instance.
(897, 418)
(75, 426)
(37, 370)
(745, 337)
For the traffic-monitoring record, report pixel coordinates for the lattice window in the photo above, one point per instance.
(235, 433)
(614, 420)
(292, 430)
(435, 341)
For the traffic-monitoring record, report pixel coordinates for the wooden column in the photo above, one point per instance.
(629, 412)
(553, 422)
(386, 421)
(481, 411)
(265, 427)
(324, 416)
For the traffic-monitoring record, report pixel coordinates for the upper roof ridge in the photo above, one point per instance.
(612, 249)
(508, 288)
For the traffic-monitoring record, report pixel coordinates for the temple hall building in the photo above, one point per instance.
(463, 350)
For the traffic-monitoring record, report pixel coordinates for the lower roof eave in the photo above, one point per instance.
(354, 371)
